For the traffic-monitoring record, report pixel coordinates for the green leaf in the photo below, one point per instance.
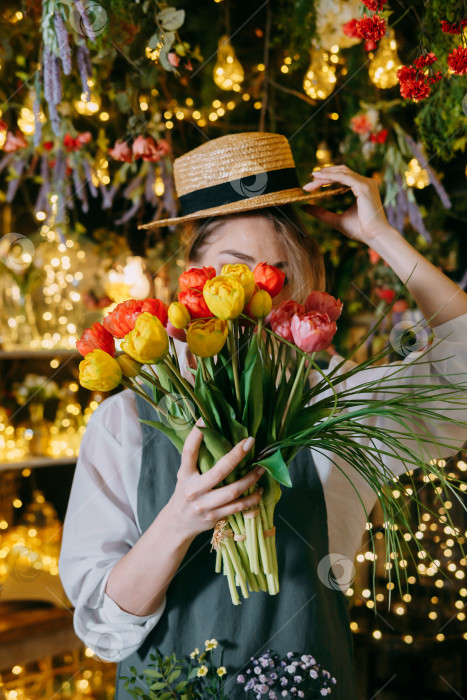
(173, 435)
(158, 686)
(151, 673)
(252, 388)
(173, 676)
(171, 19)
(276, 467)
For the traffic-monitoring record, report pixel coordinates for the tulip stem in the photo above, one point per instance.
(174, 353)
(204, 369)
(233, 353)
(182, 385)
(292, 392)
(133, 385)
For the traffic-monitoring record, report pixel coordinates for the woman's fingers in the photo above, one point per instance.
(237, 506)
(190, 451)
(226, 464)
(336, 173)
(321, 213)
(226, 494)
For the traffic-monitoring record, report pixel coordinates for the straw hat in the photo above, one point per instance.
(234, 173)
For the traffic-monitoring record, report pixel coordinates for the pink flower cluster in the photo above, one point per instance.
(143, 147)
(310, 326)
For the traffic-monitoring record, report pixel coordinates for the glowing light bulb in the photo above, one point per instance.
(416, 176)
(385, 64)
(228, 71)
(320, 78)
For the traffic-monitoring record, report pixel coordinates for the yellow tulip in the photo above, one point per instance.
(224, 296)
(148, 342)
(99, 371)
(129, 366)
(206, 338)
(179, 316)
(242, 274)
(261, 304)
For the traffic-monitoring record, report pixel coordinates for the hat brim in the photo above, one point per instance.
(264, 200)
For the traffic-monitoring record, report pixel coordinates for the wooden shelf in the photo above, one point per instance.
(33, 462)
(44, 353)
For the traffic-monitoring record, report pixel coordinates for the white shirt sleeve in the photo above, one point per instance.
(101, 527)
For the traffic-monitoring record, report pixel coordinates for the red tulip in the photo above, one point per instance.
(281, 317)
(94, 338)
(196, 278)
(194, 301)
(269, 278)
(324, 304)
(122, 319)
(312, 331)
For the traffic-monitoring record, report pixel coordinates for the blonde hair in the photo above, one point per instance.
(306, 263)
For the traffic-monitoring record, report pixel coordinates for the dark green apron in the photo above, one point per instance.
(306, 616)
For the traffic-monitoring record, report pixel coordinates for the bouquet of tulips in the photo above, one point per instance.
(254, 363)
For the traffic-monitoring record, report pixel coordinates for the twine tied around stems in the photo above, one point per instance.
(220, 533)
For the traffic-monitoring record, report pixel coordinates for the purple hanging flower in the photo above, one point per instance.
(56, 80)
(88, 174)
(85, 24)
(129, 214)
(14, 184)
(47, 74)
(85, 71)
(63, 43)
(416, 220)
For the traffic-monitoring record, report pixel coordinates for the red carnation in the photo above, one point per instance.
(379, 136)
(70, 143)
(374, 5)
(453, 27)
(194, 301)
(269, 278)
(351, 29)
(386, 294)
(122, 319)
(196, 278)
(371, 28)
(96, 337)
(426, 60)
(48, 145)
(415, 90)
(457, 61)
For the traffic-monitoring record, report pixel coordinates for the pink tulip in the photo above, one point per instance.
(281, 317)
(121, 151)
(324, 304)
(174, 60)
(312, 331)
(145, 147)
(14, 142)
(176, 333)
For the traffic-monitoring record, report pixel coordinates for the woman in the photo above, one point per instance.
(135, 558)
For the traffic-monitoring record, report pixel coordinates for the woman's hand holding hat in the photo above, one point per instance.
(365, 220)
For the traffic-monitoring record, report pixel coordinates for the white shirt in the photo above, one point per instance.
(101, 523)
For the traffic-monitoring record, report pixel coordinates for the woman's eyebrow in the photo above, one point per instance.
(247, 258)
